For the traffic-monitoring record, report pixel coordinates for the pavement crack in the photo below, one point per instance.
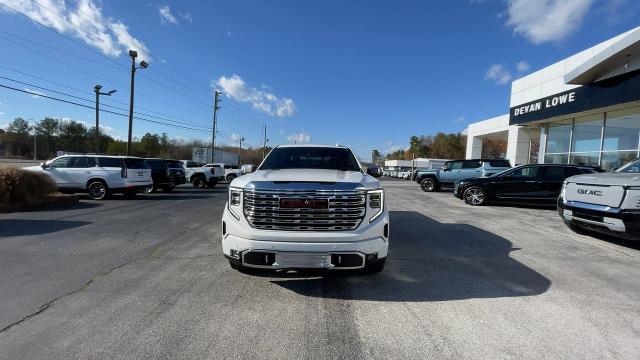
(49, 303)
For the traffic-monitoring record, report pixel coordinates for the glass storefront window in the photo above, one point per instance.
(587, 133)
(614, 159)
(590, 159)
(556, 158)
(558, 137)
(622, 130)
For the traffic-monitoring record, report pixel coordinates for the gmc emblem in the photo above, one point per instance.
(590, 192)
(304, 203)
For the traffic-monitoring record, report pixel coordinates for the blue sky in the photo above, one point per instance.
(367, 74)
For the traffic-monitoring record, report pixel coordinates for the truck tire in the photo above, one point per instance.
(230, 177)
(212, 183)
(429, 185)
(375, 267)
(98, 190)
(475, 196)
(198, 181)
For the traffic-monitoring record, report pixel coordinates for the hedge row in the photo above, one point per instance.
(19, 186)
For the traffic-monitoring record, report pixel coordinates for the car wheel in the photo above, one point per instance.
(428, 185)
(375, 267)
(475, 196)
(198, 182)
(98, 190)
(149, 189)
(230, 177)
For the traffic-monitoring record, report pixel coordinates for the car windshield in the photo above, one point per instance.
(632, 167)
(310, 158)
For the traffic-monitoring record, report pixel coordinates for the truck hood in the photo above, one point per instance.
(286, 176)
(608, 178)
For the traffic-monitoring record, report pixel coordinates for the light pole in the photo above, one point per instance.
(98, 93)
(240, 151)
(143, 65)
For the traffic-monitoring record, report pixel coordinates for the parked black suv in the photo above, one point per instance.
(176, 172)
(163, 177)
(536, 184)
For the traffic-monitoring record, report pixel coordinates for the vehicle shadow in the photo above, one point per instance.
(431, 261)
(19, 227)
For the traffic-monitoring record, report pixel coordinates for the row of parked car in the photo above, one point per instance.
(587, 198)
(397, 174)
(103, 175)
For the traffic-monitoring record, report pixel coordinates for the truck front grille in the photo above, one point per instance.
(324, 211)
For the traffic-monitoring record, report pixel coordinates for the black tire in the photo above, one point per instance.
(198, 181)
(474, 195)
(150, 189)
(375, 267)
(212, 183)
(429, 185)
(98, 190)
(230, 177)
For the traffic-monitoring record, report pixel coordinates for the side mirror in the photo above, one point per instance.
(44, 166)
(445, 168)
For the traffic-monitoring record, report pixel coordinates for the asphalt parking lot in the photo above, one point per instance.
(145, 278)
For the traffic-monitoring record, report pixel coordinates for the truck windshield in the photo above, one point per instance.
(632, 167)
(310, 158)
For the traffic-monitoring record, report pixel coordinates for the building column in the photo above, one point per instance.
(518, 144)
(474, 147)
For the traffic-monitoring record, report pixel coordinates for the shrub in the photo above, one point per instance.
(19, 186)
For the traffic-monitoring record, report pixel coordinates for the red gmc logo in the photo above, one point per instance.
(304, 203)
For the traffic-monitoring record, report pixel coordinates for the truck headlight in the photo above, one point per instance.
(375, 202)
(235, 200)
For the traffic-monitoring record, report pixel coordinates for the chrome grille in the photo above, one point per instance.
(345, 210)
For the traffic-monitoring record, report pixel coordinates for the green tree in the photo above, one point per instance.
(19, 127)
(47, 129)
(72, 136)
(149, 145)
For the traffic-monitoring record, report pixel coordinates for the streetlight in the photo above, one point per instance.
(98, 93)
(143, 65)
(240, 151)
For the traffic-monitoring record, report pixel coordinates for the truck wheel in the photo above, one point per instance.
(149, 190)
(428, 185)
(474, 195)
(230, 177)
(212, 183)
(98, 190)
(375, 267)
(198, 182)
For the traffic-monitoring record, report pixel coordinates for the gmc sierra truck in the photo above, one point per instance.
(306, 206)
(605, 203)
(200, 176)
(452, 171)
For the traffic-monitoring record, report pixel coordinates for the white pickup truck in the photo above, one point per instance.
(606, 203)
(200, 176)
(306, 206)
(230, 171)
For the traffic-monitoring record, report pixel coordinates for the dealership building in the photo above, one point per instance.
(584, 109)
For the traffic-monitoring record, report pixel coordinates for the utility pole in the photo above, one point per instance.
(98, 93)
(35, 141)
(143, 65)
(216, 107)
(240, 151)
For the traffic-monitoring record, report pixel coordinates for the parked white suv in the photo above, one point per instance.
(98, 175)
(605, 202)
(306, 206)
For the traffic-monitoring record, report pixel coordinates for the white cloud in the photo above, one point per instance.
(499, 74)
(36, 94)
(166, 16)
(459, 120)
(523, 66)
(235, 88)
(546, 20)
(1, 113)
(85, 22)
(302, 137)
(186, 16)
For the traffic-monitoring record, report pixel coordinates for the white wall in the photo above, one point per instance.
(550, 80)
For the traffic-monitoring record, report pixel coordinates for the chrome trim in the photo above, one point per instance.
(345, 211)
(595, 207)
(293, 186)
(323, 264)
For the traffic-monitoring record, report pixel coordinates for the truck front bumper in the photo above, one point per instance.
(616, 222)
(334, 250)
